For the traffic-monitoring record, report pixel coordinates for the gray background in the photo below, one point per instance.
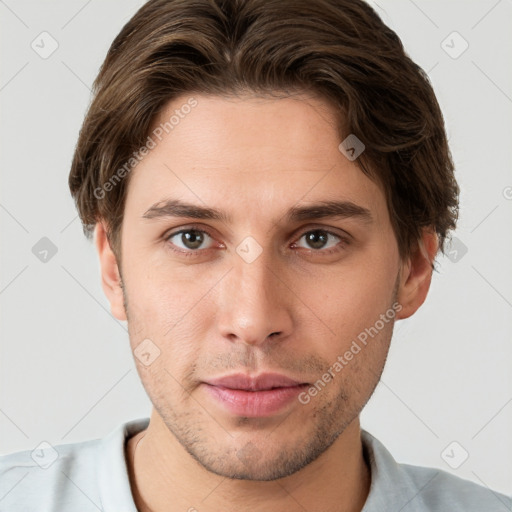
(67, 373)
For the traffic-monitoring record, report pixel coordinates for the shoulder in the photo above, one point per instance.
(412, 488)
(440, 490)
(37, 479)
(87, 476)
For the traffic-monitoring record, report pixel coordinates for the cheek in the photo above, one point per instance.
(169, 340)
(156, 293)
(352, 307)
(354, 299)
(358, 353)
(168, 310)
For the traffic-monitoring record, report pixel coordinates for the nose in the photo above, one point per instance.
(255, 301)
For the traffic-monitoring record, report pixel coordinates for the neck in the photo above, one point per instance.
(164, 477)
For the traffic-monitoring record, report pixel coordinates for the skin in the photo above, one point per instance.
(212, 313)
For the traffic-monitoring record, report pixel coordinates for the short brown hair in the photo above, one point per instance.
(339, 50)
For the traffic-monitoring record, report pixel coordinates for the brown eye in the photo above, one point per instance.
(189, 239)
(320, 239)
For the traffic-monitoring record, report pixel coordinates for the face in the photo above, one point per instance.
(251, 244)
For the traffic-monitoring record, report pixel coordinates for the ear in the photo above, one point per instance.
(416, 274)
(110, 276)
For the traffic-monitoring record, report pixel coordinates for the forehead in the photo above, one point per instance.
(249, 153)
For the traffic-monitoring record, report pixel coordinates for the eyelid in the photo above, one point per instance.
(344, 237)
(176, 231)
(322, 227)
(343, 242)
(189, 253)
(338, 232)
(201, 229)
(302, 231)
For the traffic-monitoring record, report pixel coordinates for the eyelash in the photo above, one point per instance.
(344, 241)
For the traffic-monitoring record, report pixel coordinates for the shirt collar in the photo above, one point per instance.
(113, 478)
(392, 486)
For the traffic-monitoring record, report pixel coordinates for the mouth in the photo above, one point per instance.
(260, 396)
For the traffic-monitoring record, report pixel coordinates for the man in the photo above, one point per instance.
(268, 182)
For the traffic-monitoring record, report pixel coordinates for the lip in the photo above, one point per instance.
(256, 396)
(261, 382)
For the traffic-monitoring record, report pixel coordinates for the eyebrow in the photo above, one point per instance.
(321, 210)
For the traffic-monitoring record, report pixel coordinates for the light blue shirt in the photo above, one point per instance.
(92, 476)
